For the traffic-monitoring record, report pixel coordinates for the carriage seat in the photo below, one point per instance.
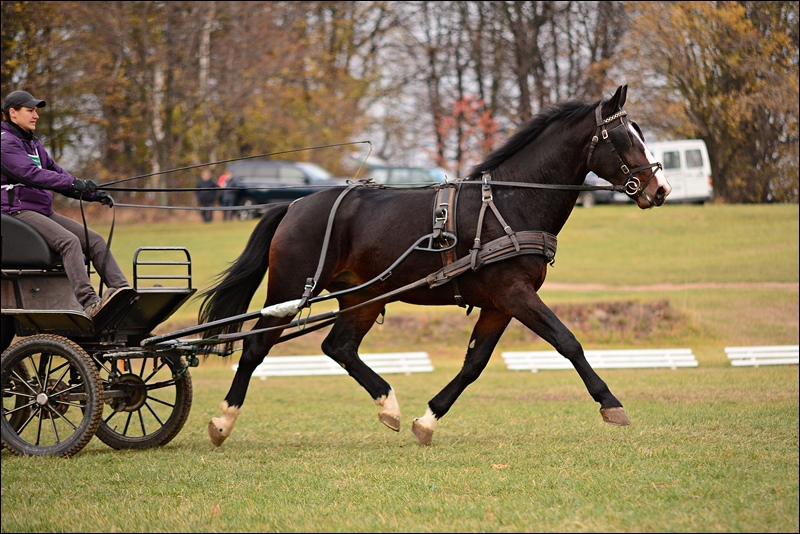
(25, 248)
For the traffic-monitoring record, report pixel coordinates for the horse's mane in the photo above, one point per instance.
(573, 110)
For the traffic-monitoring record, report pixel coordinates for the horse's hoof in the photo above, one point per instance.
(215, 433)
(390, 420)
(423, 434)
(389, 414)
(615, 416)
(221, 427)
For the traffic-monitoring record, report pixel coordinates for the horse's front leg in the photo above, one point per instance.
(490, 326)
(254, 349)
(538, 317)
(342, 343)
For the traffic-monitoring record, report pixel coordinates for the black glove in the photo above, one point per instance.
(103, 198)
(84, 187)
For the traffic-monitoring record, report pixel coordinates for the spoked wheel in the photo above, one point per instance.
(21, 411)
(147, 401)
(52, 401)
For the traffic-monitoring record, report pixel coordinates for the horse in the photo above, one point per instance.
(484, 242)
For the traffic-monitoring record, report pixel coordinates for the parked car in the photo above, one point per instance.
(260, 182)
(588, 199)
(404, 176)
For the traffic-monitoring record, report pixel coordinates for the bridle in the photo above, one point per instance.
(618, 140)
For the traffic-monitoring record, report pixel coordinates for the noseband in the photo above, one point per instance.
(618, 140)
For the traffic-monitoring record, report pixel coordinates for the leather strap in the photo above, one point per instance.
(312, 282)
(488, 200)
(444, 220)
(502, 248)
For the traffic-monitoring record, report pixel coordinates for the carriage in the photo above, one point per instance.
(69, 377)
(482, 242)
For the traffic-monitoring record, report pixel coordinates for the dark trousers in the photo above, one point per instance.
(68, 238)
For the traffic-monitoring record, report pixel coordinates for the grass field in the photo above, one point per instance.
(711, 449)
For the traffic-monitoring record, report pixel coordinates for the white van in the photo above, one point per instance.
(687, 169)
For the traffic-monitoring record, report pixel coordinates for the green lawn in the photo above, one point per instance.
(712, 449)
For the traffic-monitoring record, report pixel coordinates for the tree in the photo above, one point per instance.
(725, 72)
(142, 87)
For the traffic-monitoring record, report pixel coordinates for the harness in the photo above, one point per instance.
(444, 204)
(618, 140)
(442, 239)
(511, 245)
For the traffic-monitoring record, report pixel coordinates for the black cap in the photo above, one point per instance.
(22, 98)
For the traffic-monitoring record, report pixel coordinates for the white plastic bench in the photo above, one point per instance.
(766, 355)
(381, 363)
(602, 359)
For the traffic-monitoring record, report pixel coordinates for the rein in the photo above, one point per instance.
(268, 154)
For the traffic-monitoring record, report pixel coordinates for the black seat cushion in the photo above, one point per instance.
(25, 248)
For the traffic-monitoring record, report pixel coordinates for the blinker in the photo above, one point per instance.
(620, 138)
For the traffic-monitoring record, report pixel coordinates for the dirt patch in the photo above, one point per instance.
(627, 322)
(621, 320)
(791, 286)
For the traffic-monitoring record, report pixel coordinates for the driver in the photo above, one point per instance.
(29, 175)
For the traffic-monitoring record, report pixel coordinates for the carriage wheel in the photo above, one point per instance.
(21, 410)
(52, 401)
(147, 402)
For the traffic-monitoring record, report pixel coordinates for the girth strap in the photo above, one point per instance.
(502, 248)
(444, 213)
(444, 220)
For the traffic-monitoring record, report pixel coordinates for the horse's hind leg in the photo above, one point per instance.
(342, 343)
(253, 351)
(490, 326)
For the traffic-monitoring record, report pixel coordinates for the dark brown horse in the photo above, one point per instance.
(483, 242)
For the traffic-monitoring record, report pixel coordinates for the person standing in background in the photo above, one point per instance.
(206, 195)
(227, 196)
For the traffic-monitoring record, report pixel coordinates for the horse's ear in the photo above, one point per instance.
(618, 100)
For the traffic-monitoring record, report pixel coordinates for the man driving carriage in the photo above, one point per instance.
(29, 176)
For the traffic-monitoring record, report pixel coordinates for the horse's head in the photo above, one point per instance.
(619, 155)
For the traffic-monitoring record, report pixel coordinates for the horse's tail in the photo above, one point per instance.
(236, 285)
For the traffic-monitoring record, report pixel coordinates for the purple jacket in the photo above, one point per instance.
(26, 184)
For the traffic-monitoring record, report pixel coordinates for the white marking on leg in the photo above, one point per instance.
(389, 413)
(428, 421)
(423, 427)
(221, 427)
(389, 404)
